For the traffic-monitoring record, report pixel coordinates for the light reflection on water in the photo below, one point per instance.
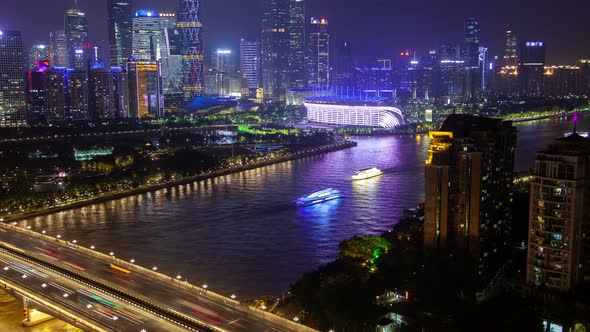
(242, 234)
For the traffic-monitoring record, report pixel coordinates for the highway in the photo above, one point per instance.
(196, 304)
(103, 310)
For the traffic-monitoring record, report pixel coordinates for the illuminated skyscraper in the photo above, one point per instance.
(77, 101)
(318, 53)
(108, 93)
(12, 80)
(76, 29)
(559, 222)
(188, 16)
(146, 93)
(472, 86)
(275, 48)
(120, 31)
(58, 49)
(146, 30)
(296, 28)
(250, 62)
(531, 68)
(510, 58)
(37, 53)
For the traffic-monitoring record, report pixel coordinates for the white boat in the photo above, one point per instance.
(366, 173)
(319, 196)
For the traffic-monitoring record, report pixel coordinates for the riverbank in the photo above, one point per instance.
(209, 175)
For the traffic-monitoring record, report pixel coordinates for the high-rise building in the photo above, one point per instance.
(120, 31)
(56, 91)
(471, 55)
(559, 222)
(167, 20)
(342, 64)
(36, 87)
(76, 29)
(275, 48)
(77, 97)
(225, 61)
(468, 195)
(188, 16)
(318, 53)
(38, 53)
(297, 37)
(561, 81)
(531, 68)
(250, 62)
(58, 49)
(171, 60)
(146, 27)
(108, 93)
(12, 80)
(584, 65)
(506, 80)
(146, 93)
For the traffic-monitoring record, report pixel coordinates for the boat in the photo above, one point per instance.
(319, 196)
(366, 173)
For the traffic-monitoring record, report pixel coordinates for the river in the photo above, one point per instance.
(241, 233)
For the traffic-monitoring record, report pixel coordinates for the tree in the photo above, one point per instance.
(125, 156)
(364, 249)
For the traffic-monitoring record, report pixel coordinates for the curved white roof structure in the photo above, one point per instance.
(348, 115)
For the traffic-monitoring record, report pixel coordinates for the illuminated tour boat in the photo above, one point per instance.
(319, 197)
(366, 173)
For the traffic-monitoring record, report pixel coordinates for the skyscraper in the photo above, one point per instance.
(188, 16)
(275, 48)
(39, 52)
(250, 62)
(510, 58)
(120, 31)
(471, 57)
(108, 93)
(12, 80)
(58, 49)
(559, 222)
(318, 53)
(468, 190)
(531, 68)
(297, 37)
(146, 93)
(146, 29)
(77, 97)
(76, 29)
(507, 76)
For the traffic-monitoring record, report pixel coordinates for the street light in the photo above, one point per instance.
(6, 268)
(29, 227)
(205, 286)
(92, 247)
(74, 242)
(233, 296)
(89, 306)
(43, 231)
(58, 236)
(296, 318)
(24, 276)
(112, 253)
(44, 285)
(66, 295)
(155, 268)
(132, 260)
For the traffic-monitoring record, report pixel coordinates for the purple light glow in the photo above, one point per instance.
(575, 117)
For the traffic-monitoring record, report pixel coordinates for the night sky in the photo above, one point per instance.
(377, 28)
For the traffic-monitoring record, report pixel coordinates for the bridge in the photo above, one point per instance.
(100, 292)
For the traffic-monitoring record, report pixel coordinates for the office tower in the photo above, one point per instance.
(36, 87)
(449, 80)
(12, 80)
(58, 49)
(120, 31)
(76, 29)
(296, 28)
(275, 48)
(371, 81)
(146, 94)
(342, 64)
(472, 86)
(250, 62)
(507, 75)
(167, 20)
(510, 57)
(38, 53)
(468, 190)
(56, 90)
(146, 26)
(171, 62)
(108, 93)
(318, 53)
(531, 68)
(188, 16)
(77, 101)
(559, 223)
(225, 61)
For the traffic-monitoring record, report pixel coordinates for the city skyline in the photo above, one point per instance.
(408, 30)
